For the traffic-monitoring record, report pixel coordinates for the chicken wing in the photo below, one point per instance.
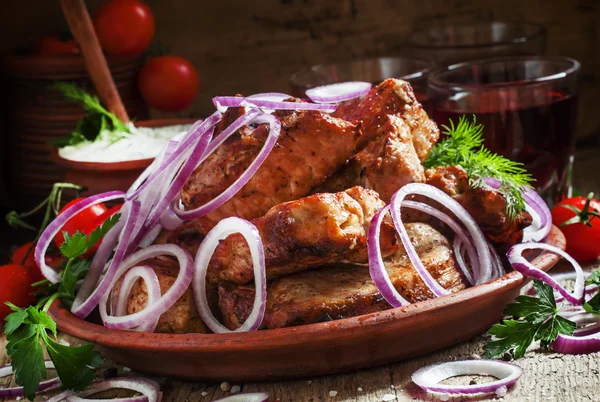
(312, 145)
(315, 230)
(391, 97)
(387, 163)
(341, 291)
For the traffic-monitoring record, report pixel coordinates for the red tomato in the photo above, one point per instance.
(583, 241)
(168, 83)
(15, 287)
(53, 45)
(82, 221)
(18, 258)
(124, 27)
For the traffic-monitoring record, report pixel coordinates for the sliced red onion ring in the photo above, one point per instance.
(458, 246)
(338, 92)
(56, 225)
(223, 229)
(153, 167)
(169, 219)
(151, 236)
(199, 129)
(461, 235)
(84, 304)
(249, 118)
(271, 96)
(377, 269)
(14, 392)
(519, 263)
(587, 323)
(429, 377)
(567, 276)
(172, 190)
(222, 102)
(152, 311)
(146, 274)
(249, 397)
(496, 262)
(577, 344)
(148, 388)
(484, 257)
(542, 218)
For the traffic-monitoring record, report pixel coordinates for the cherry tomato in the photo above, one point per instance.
(168, 83)
(583, 240)
(124, 27)
(18, 257)
(54, 45)
(15, 287)
(82, 221)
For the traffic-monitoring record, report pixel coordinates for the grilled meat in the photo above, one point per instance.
(312, 145)
(391, 97)
(486, 206)
(315, 230)
(340, 291)
(183, 316)
(387, 163)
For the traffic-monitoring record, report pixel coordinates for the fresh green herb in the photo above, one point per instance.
(593, 305)
(534, 319)
(28, 328)
(97, 119)
(463, 146)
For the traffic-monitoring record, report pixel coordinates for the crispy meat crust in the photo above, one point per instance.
(318, 229)
(312, 145)
(340, 291)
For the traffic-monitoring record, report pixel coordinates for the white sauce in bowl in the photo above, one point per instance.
(142, 143)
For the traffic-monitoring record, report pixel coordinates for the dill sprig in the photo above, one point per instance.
(464, 146)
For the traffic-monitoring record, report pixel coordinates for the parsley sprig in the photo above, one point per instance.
(28, 328)
(593, 305)
(463, 146)
(97, 119)
(534, 319)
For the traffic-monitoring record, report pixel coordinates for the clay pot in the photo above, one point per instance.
(100, 177)
(36, 115)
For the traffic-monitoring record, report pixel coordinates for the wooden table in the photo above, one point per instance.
(546, 376)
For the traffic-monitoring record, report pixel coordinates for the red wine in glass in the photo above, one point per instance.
(536, 128)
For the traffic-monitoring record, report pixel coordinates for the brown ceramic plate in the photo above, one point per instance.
(309, 350)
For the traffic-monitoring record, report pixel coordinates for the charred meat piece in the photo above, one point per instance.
(183, 316)
(341, 291)
(391, 97)
(297, 235)
(384, 165)
(486, 206)
(312, 145)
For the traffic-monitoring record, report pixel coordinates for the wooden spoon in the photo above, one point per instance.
(82, 28)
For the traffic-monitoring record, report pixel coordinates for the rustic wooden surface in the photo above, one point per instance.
(546, 376)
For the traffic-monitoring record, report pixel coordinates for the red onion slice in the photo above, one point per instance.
(461, 235)
(249, 118)
(149, 389)
(338, 92)
(223, 102)
(542, 218)
(377, 270)
(458, 247)
(249, 397)
(577, 344)
(148, 276)
(15, 392)
(152, 311)
(198, 130)
(271, 96)
(84, 304)
(587, 324)
(223, 229)
(484, 257)
(519, 263)
(56, 225)
(429, 377)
